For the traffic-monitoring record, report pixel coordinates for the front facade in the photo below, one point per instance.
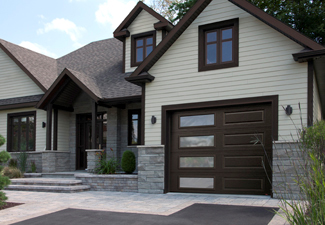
(204, 104)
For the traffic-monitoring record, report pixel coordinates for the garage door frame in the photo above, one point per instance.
(167, 111)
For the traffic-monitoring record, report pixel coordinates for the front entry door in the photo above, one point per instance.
(84, 138)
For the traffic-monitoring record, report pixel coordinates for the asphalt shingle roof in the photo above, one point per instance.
(27, 99)
(98, 66)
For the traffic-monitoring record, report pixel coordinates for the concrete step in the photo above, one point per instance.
(32, 175)
(46, 181)
(58, 175)
(42, 188)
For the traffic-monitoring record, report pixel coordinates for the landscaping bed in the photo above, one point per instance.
(9, 205)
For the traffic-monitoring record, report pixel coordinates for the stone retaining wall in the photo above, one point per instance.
(110, 182)
(35, 157)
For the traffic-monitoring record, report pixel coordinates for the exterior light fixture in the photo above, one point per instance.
(43, 124)
(289, 110)
(153, 120)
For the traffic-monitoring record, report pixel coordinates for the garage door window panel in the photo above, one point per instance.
(196, 141)
(196, 162)
(196, 182)
(197, 120)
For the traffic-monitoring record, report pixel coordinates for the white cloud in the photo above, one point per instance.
(37, 48)
(63, 25)
(114, 12)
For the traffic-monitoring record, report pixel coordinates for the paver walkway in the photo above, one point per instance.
(41, 203)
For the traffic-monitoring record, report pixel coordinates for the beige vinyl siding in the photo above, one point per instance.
(266, 67)
(14, 81)
(63, 130)
(317, 103)
(40, 132)
(143, 23)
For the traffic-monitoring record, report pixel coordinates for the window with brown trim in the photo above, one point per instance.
(21, 132)
(141, 46)
(218, 45)
(134, 127)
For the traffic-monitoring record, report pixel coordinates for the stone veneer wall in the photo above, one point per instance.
(32, 157)
(284, 172)
(151, 169)
(110, 182)
(55, 161)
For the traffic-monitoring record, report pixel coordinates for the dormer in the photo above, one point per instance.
(141, 31)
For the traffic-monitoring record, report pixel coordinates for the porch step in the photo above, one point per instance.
(46, 182)
(42, 188)
(61, 185)
(58, 175)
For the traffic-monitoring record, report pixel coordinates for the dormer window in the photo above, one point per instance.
(141, 46)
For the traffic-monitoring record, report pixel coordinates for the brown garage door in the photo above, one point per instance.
(213, 150)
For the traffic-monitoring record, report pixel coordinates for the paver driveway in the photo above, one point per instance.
(41, 203)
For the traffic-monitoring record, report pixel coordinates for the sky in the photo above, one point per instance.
(58, 27)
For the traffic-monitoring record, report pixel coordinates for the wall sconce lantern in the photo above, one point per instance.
(289, 110)
(153, 120)
(43, 124)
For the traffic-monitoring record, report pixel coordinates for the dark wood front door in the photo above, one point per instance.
(213, 150)
(84, 138)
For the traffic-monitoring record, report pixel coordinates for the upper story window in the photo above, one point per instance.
(218, 45)
(21, 132)
(141, 46)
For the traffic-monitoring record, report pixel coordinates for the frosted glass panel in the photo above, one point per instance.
(192, 162)
(191, 182)
(196, 141)
(199, 120)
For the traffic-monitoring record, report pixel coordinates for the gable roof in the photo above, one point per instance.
(120, 31)
(40, 68)
(97, 69)
(195, 11)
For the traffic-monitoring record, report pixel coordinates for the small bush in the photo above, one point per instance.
(4, 182)
(12, 172)
(128, 162)
(33, 167)
(105, 166)
(2, 140)
(13, 163)
(22, 160)
(4, 156)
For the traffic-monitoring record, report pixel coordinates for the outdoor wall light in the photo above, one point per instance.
(289, 110)
(43, 124)
(153, 119)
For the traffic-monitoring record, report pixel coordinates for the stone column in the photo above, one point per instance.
(287, 157)
(92, 159)
(151, 169)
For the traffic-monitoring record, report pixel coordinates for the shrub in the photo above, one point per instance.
(2, 140)
(4, 182)
(12, 172)
(128, 162)
(13, 163)
(309, 171)
(105, 166)
(33, 167)
(4, 156)
(22, 160)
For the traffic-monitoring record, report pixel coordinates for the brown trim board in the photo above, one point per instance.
(308, 55)
(143, 105)
(21, 66)
(134, 13)
(310, 102)
(19, 105)
(167, 111)
(66, 73)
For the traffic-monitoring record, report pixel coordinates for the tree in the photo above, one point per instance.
(162, 7)
(306, 16)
